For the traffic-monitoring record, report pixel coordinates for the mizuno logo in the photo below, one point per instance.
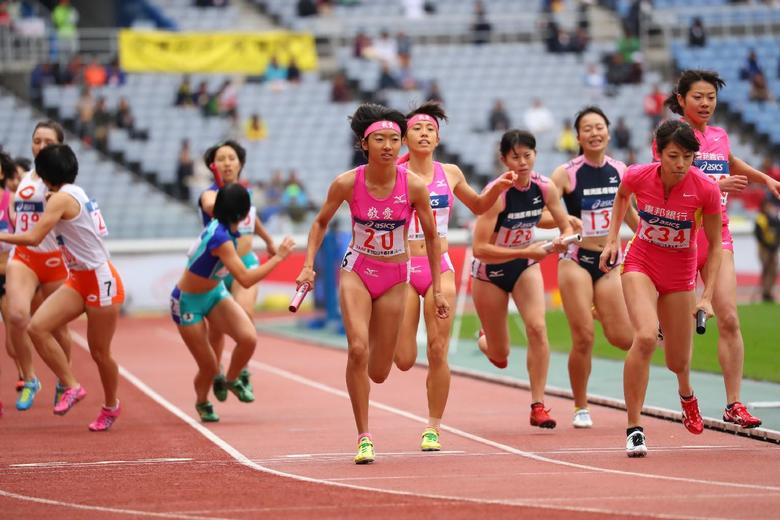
(496, 274)
(371, 272)
(586, 260)
(441, 183)
(613, 180)
(536, 200)
(400, 199)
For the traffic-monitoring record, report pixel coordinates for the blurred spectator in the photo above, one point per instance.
(184, 170)
(751, 66)
(387, 79)
(114, 74)
(594, 81)
(275, 74)
(622, 135)
(697, 37)
(202, 98)
(235, 130)
(767, 233)
(102, 124)
(498, 120)
(759, 91)
(5, 15)
(406, 77)
(385, 49)
(85, 108)
(227, 97)
(95, 74)
(293, 72)
(184, 95)
(770, 168)
(65, 20)
(404, 43)
(567, 141)
(434, 93)
(255, 129)
(124, 116)
(414, 9)
(537, 118)
(580, 40)
(480, 28)
(259, 198)
(654, 106)
(307, 8)
(339, 91)
(361, 45)
(294, 198)
(40, 76)
(273, 196)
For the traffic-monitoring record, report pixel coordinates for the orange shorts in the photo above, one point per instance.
(99, 287)
(48, 267)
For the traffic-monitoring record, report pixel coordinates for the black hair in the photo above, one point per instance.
(57, 164)
(24, 163)
(590, 109)
(51, 125)
(211, 153)
(686, 81)
(368, 113)
(678, 132)
(232, 204)
(431, 108)
(7, 166)
(514, 137)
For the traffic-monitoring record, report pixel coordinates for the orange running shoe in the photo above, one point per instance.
(541, 417)
(691, 416)
(739, 415)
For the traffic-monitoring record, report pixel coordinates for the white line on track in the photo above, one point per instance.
(244, 460)
(57, 464)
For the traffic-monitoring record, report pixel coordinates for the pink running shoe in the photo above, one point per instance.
(105, 419)
(739, 415)
(69, 397)
(691, 416)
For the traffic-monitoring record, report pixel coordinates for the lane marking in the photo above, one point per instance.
(764, 404)
(57, 464)
(245, 461)
(476, 438)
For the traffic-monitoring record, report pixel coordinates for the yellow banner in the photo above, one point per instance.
(247, 53)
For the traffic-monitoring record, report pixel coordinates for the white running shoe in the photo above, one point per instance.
(582, 418)
(635, 445)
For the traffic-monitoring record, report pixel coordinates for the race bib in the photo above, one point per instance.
(515, 238)
(664, 232)
(97, 218)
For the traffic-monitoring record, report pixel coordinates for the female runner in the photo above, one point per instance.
(372, 289)
(674, 200)
(505, 263)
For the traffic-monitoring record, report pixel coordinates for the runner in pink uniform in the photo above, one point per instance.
(505, 264)
(375, 269)
(674, 200)
(444, 183)
(695, 98)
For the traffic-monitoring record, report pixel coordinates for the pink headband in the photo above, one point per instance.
(381, 125)
(422, 117)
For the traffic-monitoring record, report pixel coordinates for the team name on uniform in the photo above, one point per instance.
(518, 215)
(606, 190)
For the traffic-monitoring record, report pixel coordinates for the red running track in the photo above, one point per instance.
(158, 460)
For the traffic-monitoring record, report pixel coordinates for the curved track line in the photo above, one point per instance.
(102, 509)
(246, 461)
(503, 447)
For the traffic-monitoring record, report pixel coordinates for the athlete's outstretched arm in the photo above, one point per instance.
(248, 277)
(339, 191)
(419, 198)
(739, 167)
(207, 200)
(56, 207)
(486, 251)
(479, 203)
(611, 250)
(712, 228)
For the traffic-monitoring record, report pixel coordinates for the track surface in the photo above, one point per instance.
(158, 460)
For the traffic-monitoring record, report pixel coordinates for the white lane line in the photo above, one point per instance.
(102, 509)
(96, 463)
(476, 438)
(244, 460)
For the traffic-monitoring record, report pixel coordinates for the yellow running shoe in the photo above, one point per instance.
(365, 454)
(430, 440)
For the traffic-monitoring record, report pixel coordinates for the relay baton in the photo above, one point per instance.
(569, 239)
(300, 294)
(701, 321)
(217, 176)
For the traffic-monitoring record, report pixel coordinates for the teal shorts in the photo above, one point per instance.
(191, 308)
(250, 260)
